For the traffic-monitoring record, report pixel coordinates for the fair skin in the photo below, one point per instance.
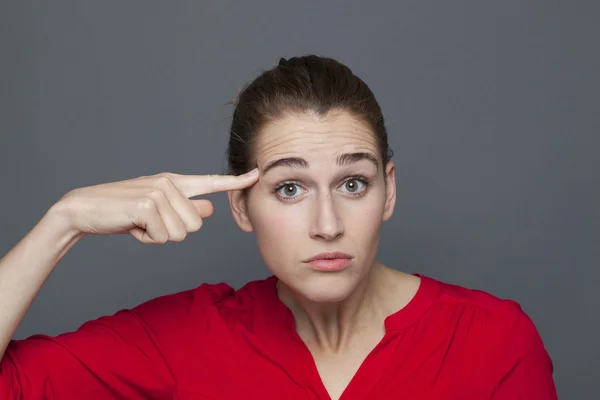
(313, 203)
(338, 315)
(153, 209)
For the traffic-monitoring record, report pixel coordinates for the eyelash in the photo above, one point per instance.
(361, 178)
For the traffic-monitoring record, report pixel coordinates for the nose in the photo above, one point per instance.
(326, 223)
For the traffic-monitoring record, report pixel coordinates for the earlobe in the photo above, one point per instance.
(390, 190)
(237, 202)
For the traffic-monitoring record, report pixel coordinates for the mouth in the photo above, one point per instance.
(331, 261)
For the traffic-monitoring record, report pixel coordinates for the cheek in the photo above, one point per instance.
(363, 219)
(271, 224)
(368, 209)
(278, 228)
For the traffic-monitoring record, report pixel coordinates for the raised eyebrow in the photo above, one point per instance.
(352, 158)
(294, 162)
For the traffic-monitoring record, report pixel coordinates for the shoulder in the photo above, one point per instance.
(488, 321)
(477, 301)
(198, 304)
(475, 335)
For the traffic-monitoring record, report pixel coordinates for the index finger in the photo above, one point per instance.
(196, 185)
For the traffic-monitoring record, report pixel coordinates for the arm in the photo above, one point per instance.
(118, 356)
(25, 268)
(111, 357)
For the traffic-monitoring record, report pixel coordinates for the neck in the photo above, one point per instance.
(332, 326)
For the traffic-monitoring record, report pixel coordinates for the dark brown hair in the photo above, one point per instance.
(300, 84)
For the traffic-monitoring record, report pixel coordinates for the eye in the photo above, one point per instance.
(288, 191)
(355, 186)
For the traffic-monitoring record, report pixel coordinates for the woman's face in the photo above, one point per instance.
(321, 189)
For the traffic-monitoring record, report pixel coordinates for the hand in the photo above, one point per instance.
(153, 209)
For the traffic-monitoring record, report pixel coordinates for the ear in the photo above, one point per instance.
(237, 202)
(390, 190)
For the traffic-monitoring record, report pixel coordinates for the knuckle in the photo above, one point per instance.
(166, 178)
(146, 204)
(165, 183)
(163, 180)
(156, 194)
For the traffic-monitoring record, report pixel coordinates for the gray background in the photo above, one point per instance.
(492, 109)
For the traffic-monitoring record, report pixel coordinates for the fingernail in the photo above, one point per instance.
(254, 172)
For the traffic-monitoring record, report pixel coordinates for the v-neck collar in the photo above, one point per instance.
(367, 375)
(425, 296)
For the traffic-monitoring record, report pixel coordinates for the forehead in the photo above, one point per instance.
(313, 137)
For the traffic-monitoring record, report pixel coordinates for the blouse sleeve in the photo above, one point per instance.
(122, 356)
(529, 374)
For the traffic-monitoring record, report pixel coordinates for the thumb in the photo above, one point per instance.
(203, 207)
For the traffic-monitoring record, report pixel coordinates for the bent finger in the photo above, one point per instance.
(203, 207)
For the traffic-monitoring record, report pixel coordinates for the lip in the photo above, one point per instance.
(330, 261)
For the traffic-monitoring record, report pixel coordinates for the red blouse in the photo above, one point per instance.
(213, 342)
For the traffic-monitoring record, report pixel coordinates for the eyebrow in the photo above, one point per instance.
(343, 160)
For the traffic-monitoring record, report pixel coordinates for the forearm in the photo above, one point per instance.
(25, 268)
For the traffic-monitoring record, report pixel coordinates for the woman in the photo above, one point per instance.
(311, 176)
